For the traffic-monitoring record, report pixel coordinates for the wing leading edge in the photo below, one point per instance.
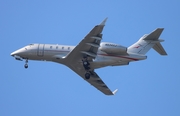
(88, 47)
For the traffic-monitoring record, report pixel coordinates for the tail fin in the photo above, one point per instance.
(148, 41)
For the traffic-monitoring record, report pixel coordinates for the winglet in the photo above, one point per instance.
(104, 21)
(115, 91)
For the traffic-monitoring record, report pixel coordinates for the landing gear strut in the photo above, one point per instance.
(86, 67)
(26, 64)
(86, 63)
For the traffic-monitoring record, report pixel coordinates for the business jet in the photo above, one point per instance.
(91, 54)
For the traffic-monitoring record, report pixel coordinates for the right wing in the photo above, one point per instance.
(88, 46)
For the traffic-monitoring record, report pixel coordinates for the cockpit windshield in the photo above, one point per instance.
(29, 45)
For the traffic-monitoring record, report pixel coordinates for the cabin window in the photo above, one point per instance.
(68, 48)
(56, 47)
(62, 47)
(51, 47)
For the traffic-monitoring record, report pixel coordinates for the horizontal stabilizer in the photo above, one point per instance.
(154, 35)
(159, 48)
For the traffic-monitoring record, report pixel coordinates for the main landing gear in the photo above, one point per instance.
(26, 64)
(87, 75)
(86, 67)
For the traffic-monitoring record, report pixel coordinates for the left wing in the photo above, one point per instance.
(88, 47)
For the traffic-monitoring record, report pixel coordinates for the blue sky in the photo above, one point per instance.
(150, 87)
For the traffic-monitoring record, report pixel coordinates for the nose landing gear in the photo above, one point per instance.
(26, 64)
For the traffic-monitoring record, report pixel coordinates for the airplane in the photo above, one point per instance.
(91, 54)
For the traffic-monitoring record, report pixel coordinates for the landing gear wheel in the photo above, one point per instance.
(87, 75)
(26, 66)
(85, 63)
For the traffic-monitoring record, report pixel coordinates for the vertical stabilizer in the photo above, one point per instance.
(148, 41)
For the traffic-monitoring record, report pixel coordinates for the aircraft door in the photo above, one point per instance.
(40, 51)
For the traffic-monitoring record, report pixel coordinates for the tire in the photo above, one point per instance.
(26, 66)
(87, 75)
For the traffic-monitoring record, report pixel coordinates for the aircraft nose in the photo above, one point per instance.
(12, 54)
(17, 52)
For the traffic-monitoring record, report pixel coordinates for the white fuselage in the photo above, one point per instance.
(53, 52)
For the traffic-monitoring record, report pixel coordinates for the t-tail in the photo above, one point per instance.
(148, 41)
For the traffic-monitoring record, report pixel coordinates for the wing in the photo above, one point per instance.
(88, 47)
(95, 80)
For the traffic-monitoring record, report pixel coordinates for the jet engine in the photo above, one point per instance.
(111, 48)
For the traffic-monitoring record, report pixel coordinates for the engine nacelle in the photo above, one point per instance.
(112, 48)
